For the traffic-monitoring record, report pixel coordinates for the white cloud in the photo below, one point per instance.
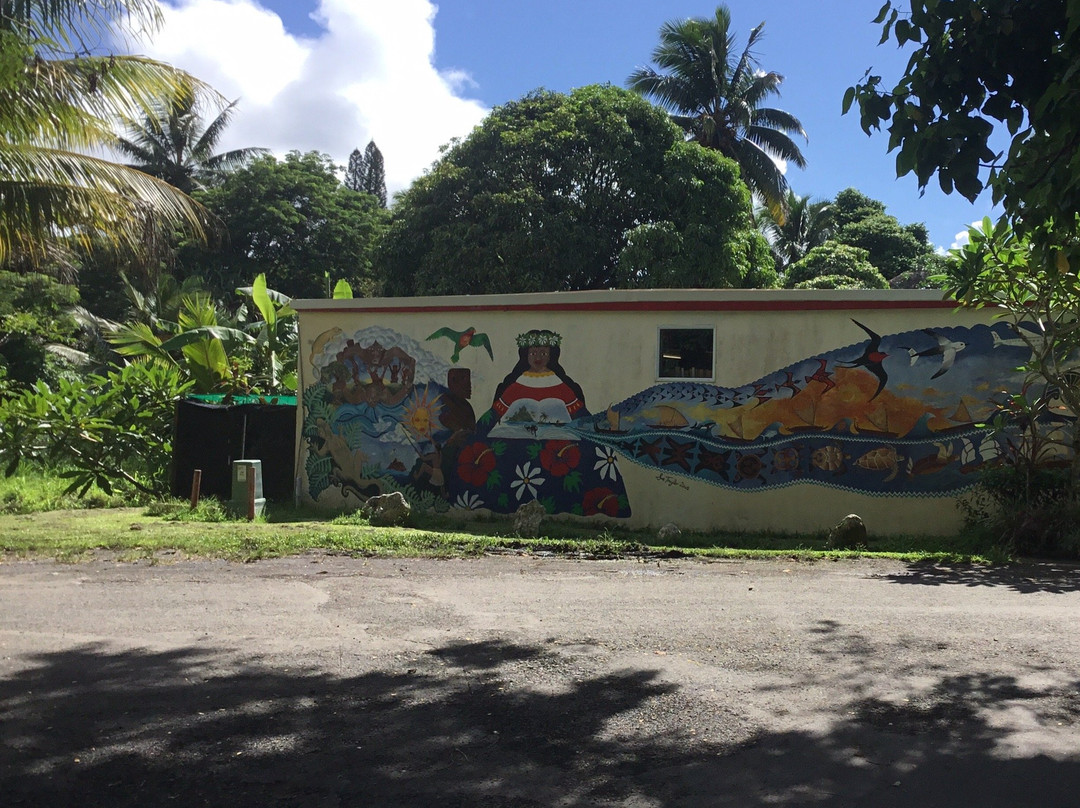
(369, 74)
(961, 238)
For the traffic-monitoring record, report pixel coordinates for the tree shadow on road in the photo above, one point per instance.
(1026, 578)
(463, 725)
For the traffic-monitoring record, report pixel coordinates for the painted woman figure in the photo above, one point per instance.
(538, 390)
(526, 447)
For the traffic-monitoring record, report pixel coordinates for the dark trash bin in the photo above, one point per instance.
(210, 434)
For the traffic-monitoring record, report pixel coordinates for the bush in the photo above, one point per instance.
(1025, 511)
(103, 429)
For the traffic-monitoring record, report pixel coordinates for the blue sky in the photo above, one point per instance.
(332, 74)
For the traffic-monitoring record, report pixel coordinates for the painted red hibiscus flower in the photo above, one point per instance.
(559, 457)
(475, 463)
(601, 500)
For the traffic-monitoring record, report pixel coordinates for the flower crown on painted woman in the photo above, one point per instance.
(531, 339)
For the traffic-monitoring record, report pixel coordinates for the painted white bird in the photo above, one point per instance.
(946, 348)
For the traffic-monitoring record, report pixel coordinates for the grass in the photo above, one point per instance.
(31, 489)
(37, 520)
(172, 530)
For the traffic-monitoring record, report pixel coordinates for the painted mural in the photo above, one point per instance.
(387, 414)
(896, 415)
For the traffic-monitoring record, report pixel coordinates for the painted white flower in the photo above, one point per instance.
(606, 464)
(469, 501)
(527, 480)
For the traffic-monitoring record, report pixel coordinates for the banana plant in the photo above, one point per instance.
(197, 342)
(274, 333)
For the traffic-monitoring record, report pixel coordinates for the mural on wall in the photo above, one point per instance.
(896, 415)
(387, 414)
(892, 415)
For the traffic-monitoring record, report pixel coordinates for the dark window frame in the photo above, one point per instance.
(691, 357)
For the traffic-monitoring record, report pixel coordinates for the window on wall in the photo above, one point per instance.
(686, 353)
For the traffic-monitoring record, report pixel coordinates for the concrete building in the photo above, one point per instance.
(733, 409)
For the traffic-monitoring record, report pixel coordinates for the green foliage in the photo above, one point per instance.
(892, 248)
(103, 429)
(716, 96)
(55, 535)
(275, 339)
(834, 266)
(851, 206)
(251, 352)
(981, 69)
(34, 488)
(926, 274)
(208, 509)
(57, 105)
(366, 173)
(1025, 512)
(805, 224)
(293, 221)
(982, 73)
(900, 254)
(173, 143)
(1038, 291)
(34, 314)
(589, 190)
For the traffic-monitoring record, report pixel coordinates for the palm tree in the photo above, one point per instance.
(57, 104)
(173, 145)
(716, 99)
(807, 224)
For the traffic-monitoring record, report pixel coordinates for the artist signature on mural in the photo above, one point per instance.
(667, 478)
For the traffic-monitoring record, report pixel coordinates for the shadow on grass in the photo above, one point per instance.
(1025, 577)
(95, 727)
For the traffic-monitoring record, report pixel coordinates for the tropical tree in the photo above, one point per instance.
(57, 103)
(716, 94)
(590, 190)
(292, 219)
(367, 172)
(174, 143)
(834, 266)
(808, 224)
(988, 98)
(35, 321)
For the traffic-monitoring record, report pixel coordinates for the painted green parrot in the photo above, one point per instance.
(463, 339)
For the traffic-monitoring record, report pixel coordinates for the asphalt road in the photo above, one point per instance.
(524, 681)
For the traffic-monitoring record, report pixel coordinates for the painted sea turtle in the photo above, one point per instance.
(884, 458)
(830, 457)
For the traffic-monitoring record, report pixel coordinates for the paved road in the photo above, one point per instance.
(523, 681)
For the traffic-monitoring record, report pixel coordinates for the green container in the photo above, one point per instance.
(242, 472)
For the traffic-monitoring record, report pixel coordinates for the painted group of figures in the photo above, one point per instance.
(900, 415)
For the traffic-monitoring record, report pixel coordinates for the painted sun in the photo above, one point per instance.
(421, 412)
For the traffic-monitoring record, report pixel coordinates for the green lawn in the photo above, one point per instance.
(37, 520)
(171, 530)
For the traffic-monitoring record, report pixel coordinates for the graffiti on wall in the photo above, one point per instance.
(900, 414)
